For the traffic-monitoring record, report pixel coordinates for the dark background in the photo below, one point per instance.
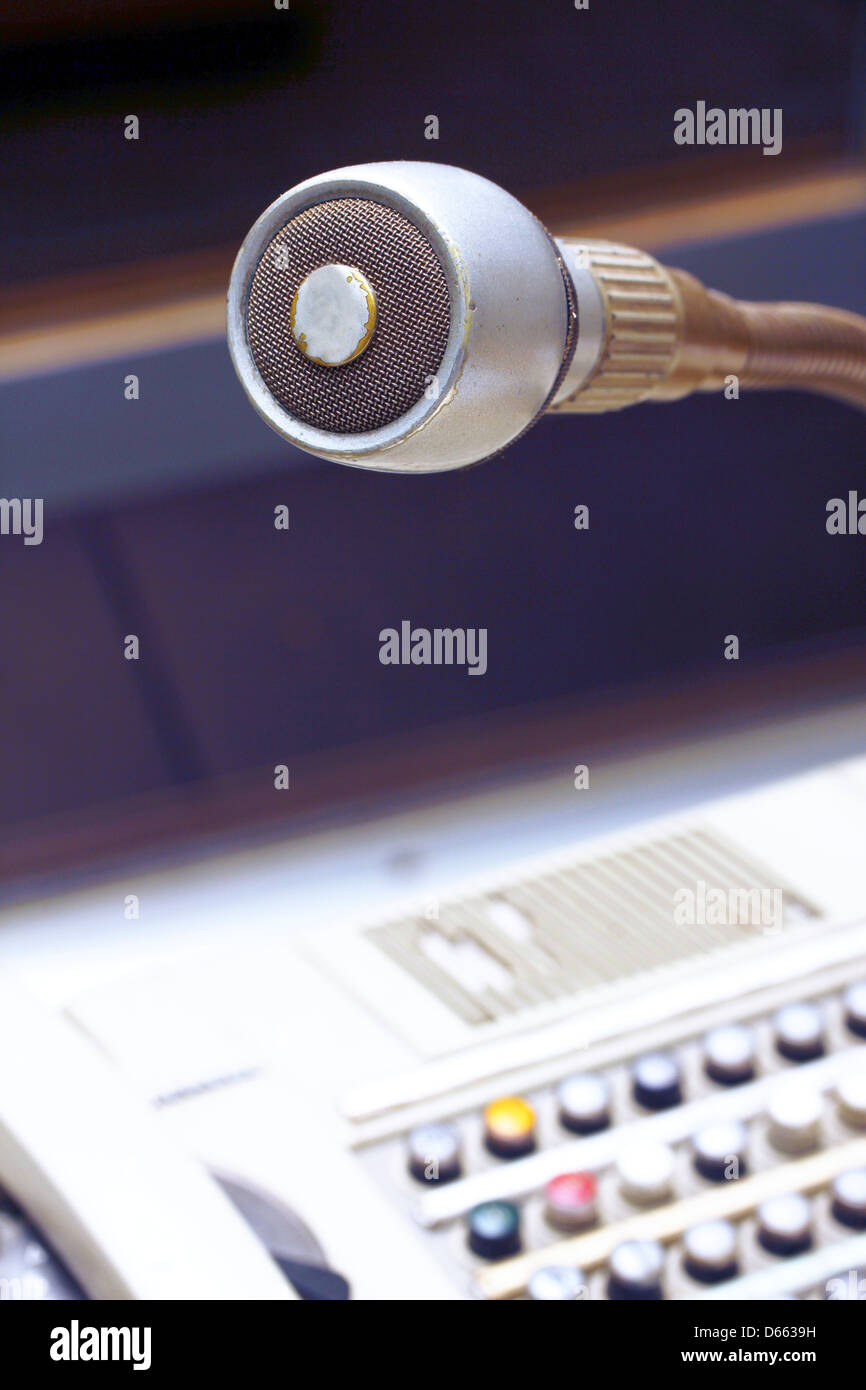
(239, 101)
(260, 647)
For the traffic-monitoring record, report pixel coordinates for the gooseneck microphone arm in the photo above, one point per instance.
(413, 317)
(664, 335)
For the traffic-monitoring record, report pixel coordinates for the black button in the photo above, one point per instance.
(785, 1224)
(720, 1150)
(434, 1153)
(799, 1030)
(494, 1230)
(635, 1270)
(729, 1054)
(849, 1198)
(656, 1081)
(584, 1104)
(854, 1005)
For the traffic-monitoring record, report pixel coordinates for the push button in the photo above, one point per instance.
(851, 1098)
(849, 1198)
(729, 1054)
(799, 1032)
(509, 1127)
(570, 1200)
(710, 1251)
(720, 1151)
(656, 1081)
(558, 1283)
(795, 1113)
(635, 1270)
(584, 1104)
(854, 1008)
(434, 1153)
(785, 1224)
(646, 1173)
(494, 1230)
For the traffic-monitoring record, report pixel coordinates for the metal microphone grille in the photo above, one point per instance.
(413, 316)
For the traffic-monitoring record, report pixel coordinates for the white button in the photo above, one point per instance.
(710, 1250)
(729, 1054)
(636, 1269)
(799, 1032)
(720, 1151)
(849, 1198)
(557, 1282)
(785, 1224)
(851, 1097)
(656, 1081)
(333, 315)
(584, 1103)
(646, 1172)
(854, 1006)
(434, 1153)
(795, 1114)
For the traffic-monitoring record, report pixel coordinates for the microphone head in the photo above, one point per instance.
(406, 317)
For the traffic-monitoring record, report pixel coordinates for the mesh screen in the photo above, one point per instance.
(412, 305)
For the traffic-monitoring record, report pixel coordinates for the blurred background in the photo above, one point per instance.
(260, 647)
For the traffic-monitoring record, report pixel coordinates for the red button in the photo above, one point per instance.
(570, 1200)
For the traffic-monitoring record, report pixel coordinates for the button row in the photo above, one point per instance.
(729, 1058)
(509, 1127)
(795, 1115)
(784, 1222)
(709, 1250)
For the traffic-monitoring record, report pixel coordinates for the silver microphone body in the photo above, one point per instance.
(508, 309)
(414, 318)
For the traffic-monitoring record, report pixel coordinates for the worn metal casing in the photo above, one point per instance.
(509, 317)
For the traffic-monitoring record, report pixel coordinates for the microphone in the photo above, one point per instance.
(413, 318)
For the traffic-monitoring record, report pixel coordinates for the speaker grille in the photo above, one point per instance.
(413, 316)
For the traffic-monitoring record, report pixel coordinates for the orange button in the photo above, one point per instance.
(509, 1127)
